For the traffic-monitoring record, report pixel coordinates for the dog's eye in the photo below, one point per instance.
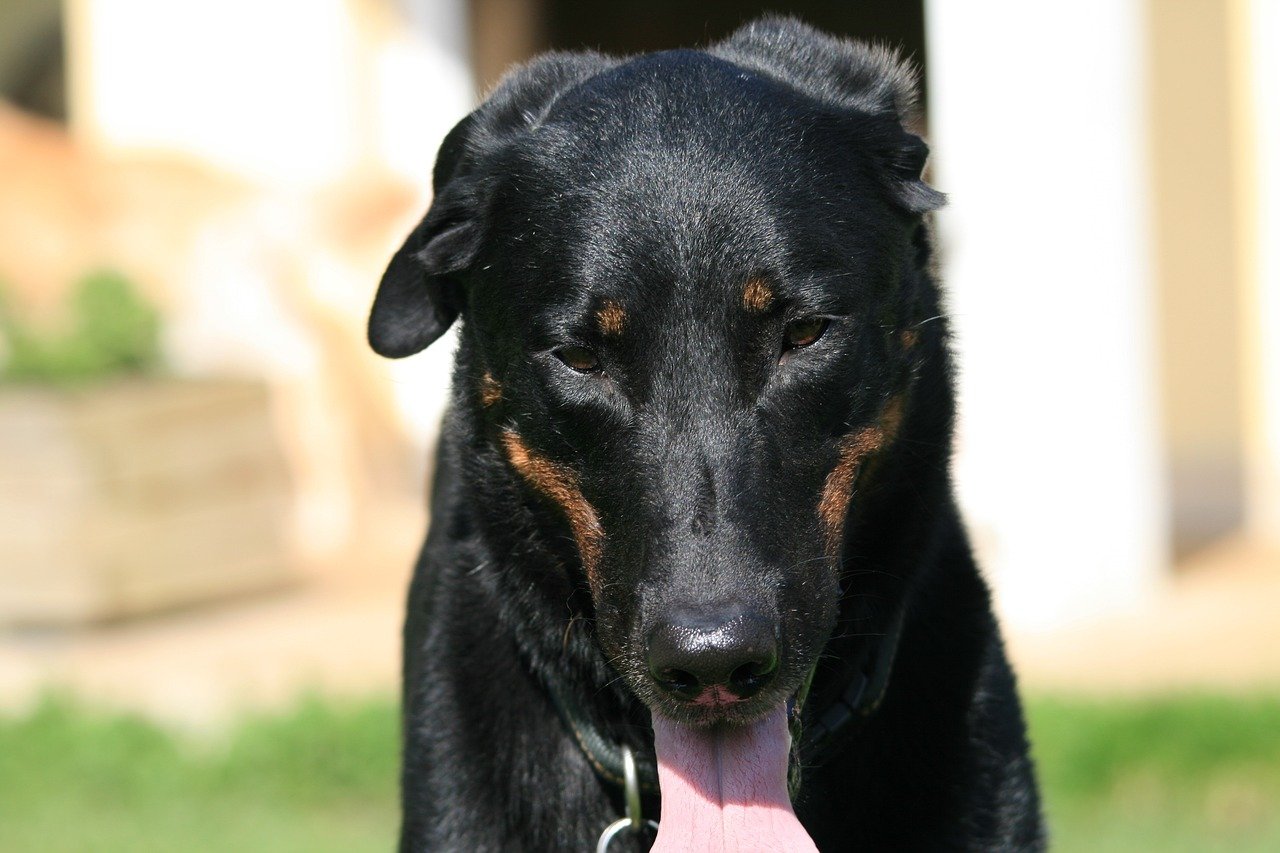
(802, 333)
(580, 359)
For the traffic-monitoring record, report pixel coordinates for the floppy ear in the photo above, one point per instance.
(420, 295)
(906, 185)
(869, 80)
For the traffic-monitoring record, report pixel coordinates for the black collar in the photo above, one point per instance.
(822, 733)
(603, 754)
(867, 682)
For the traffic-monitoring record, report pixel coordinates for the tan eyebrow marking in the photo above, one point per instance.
(756, 296)
(909, 338)
(837, 491)
(611, 317)
(560, 484)
(490, 390)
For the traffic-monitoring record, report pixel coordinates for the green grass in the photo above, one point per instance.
(1176, 774)
(1181, 774)
(319, 779)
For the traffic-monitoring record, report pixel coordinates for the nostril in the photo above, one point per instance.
(750, 677)
(679, 682)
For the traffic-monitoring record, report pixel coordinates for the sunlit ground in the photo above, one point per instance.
(1183, 774)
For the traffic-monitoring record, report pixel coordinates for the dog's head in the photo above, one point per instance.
(690, 283)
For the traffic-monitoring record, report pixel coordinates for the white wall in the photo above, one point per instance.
(1261, 188)
(293, 95)
(284, 92)
(1037, 123)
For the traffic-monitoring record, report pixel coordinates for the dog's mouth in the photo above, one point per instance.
(724, 787)
(720, 686)
(723, 764)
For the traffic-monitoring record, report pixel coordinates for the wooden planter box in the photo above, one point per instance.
(136, 497)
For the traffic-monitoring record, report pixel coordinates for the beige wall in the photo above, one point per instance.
(1214, 95)
(1198, 284)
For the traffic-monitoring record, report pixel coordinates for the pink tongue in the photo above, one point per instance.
(726, 791)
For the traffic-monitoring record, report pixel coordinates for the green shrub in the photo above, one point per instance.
(112, 331)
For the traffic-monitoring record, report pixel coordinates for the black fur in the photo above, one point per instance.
(664, 183)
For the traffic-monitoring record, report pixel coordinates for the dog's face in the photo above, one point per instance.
(688, 333)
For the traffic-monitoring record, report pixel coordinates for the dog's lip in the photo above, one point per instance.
(736, 714)
(715, 697)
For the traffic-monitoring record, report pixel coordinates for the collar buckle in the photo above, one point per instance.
(634, 821)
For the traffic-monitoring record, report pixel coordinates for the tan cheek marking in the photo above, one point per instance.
(490, 390)
(909, 338)
(891, 418)
(612, 318)
(756, 296)
(837, 491)
(560, 485)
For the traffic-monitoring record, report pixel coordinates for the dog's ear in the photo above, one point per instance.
(906, 164)
(871, 80)
(422, 291)
(419, 296)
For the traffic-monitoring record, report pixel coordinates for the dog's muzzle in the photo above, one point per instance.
(713, 656)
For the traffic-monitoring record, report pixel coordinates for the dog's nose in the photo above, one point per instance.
(732, 649)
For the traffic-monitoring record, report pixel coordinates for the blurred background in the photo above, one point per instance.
(211, 492)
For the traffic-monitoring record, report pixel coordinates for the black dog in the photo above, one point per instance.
(693, 483)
